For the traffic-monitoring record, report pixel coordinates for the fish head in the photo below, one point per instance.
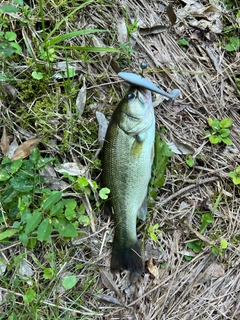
(137, 102)
(135, 112)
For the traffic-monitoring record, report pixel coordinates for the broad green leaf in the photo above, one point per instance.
(236, 180)
(21, 184)
(43, 162)
(32, 243)
(65, 228)
(215, 125)
(153, 193)
(34, 156)
(19, 2)
(68, 230)
(70, 214)
(6, 160)
(7, 233)
(4, 176)
(103, 193)
(7, 50)
(235, 41)
(10, 36)
(57, 208)
(69, 282)
(227, 141)
(183, 42)
(230, 47)
(37, 75)
(162, 154)
(52, 200)
(17, 47)
(153, 236)
(232, 174)
(238, 170)
(206, 219)
(9, 194)
(48, 273)
(44, 230)
(190, 161)
(223, 244)
(70, 73)
(95, 185)
(226, 123)
(2, 77)
(29, 296)
(210, 121)
(70, 203)
(158, 181)
(196, 246)
(33, 222)
(26, 215)
(9, 8)
(215, 251)
(16, 165)
(207, 133)
(84, 220)
(224, 132)
(26, 173)
(82, 182)
(16, 224)
(23, 238)
(214, 139)
(81, 209)
(12, 316)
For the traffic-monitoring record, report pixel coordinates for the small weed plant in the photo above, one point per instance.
(207, 219)
(31, 212)
(235, 175)
(233, 45)
(161, 158)
(153, 232)
(219, 132)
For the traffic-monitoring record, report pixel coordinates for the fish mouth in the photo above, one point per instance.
(145, 93)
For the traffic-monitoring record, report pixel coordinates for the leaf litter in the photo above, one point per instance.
(207, 286)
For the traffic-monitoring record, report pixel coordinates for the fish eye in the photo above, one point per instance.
(130, 96)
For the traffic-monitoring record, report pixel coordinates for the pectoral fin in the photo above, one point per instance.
(136, 148)
(142, 212)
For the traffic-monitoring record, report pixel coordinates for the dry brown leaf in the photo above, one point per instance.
(122, 31)
(153, 269)
(4, 142)
(12, 148)
(214, 271)
(153, 30)
(108, 281)
(108, 299)
(26, 148)
(171, 14)
(81, 99)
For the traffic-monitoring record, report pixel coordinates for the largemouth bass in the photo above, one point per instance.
(128, 153)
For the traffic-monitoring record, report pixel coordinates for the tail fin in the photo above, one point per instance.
(127, 258)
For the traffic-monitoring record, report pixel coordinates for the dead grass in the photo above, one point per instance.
(208, 286)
